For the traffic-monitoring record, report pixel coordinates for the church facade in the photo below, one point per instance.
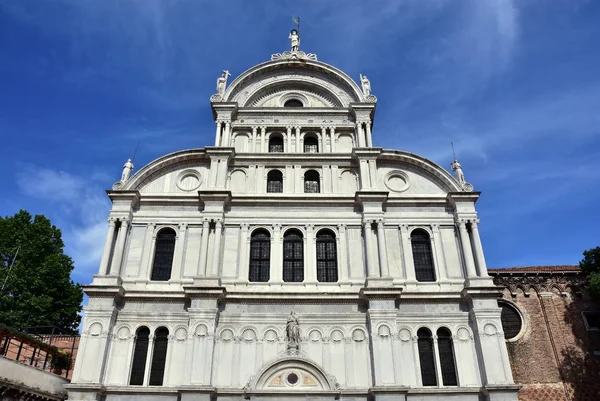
(294, 259)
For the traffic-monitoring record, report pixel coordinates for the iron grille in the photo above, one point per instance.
(140, 353)
(276, 145)
(425, 344)
(275, 181)
(293, 257)
(163, 255)
(511, 321)
(311, 145)
(159, 356)
(326, 257)
(260, 254)
(446, 351)
(422, 256)
(311, 182)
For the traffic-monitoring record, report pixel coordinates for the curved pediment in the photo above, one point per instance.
(292, 374)
(322, 84)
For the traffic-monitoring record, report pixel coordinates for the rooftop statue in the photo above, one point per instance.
(222, 82)
(457, 168)
(295, 39)
(366, 85)
(127, 167)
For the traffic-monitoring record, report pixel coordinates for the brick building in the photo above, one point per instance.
(552, 331)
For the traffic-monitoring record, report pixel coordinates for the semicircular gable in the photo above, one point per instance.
(318, 74)
(162, 165)
(271, 94)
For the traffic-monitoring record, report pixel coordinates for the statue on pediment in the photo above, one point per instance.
(295, 40)
(127, 168)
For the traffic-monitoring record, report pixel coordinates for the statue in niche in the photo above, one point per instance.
(366, 85)
(292, 331)
(457, 168)
(222, 82)
(295, 39)
(126, 170)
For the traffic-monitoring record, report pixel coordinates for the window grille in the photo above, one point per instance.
(311, 145)
(293, 256)
(276, 144)
(311, 182)
(159, 356)
(326, 257)
(163, 255)
(293, 103)
(260, 255)
(446, 351)
(140, 353)
(425, 344)
(275, 181)
(511, 320)
(422, 256)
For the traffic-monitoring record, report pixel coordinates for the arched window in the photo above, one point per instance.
(446, 351)
(422, 255)
(276, 144)
(163, 255)
(274, 181)
(425, 343)
(293, 103)
(260, 256)
(326, 256)
(311, 144)
(511, 320)
(140, 353)
(293, 256)
(159, 356)
(312, 182)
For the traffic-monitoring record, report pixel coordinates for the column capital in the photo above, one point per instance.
(277, 227)
(380, 221)
(183, 226)
(111, 221)
(342, 227)
(245, 226)
(309, 227)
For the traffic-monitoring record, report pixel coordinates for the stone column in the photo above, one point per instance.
(373, 173)
(310, 267)
(478, 249)
(217, 248)
(369, 139)
(409, 264)
(383, 262)
(179, 251)
(343, 253)
(276, 273)
(323, 141)
(202, 271)
(288, 139)
(226, 134)
(148, 251)
(365, 179)
(466, 248)
(254, 129)
(244, 256)
(332, 148)
(438, 251)
(359, 135)
(299, 147)
(436, 353)
(115, 268)
(110, 236)
(222, 174)
(371, 269)
(263, 139)
(218, 133)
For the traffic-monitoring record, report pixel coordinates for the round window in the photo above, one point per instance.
(512, 323)
(292, 378)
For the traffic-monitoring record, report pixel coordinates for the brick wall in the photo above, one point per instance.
(554, 357)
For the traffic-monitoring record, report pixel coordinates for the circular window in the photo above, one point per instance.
(189, 180)
(512, 322)
(292, 378)
(397, 181)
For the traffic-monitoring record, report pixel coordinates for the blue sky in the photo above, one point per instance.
(515, 85)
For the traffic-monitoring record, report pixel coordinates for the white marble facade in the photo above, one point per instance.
(226, 334)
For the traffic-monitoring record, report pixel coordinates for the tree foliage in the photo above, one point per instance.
(38, 290)
(590, 265)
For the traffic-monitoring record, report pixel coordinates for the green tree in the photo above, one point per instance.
(590, 265)
(38, 291)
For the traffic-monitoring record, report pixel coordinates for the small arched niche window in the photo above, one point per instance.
(293, 103)
(326, 256)
(163, 255)
(422, 255)
(426, 358)
(260, 256)
(446, 350)
(312, 183)
(140, 353)
(311, 144)
(276, 143)
(511, 320)
(159, 356)
(293, 256)
(274, 181)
